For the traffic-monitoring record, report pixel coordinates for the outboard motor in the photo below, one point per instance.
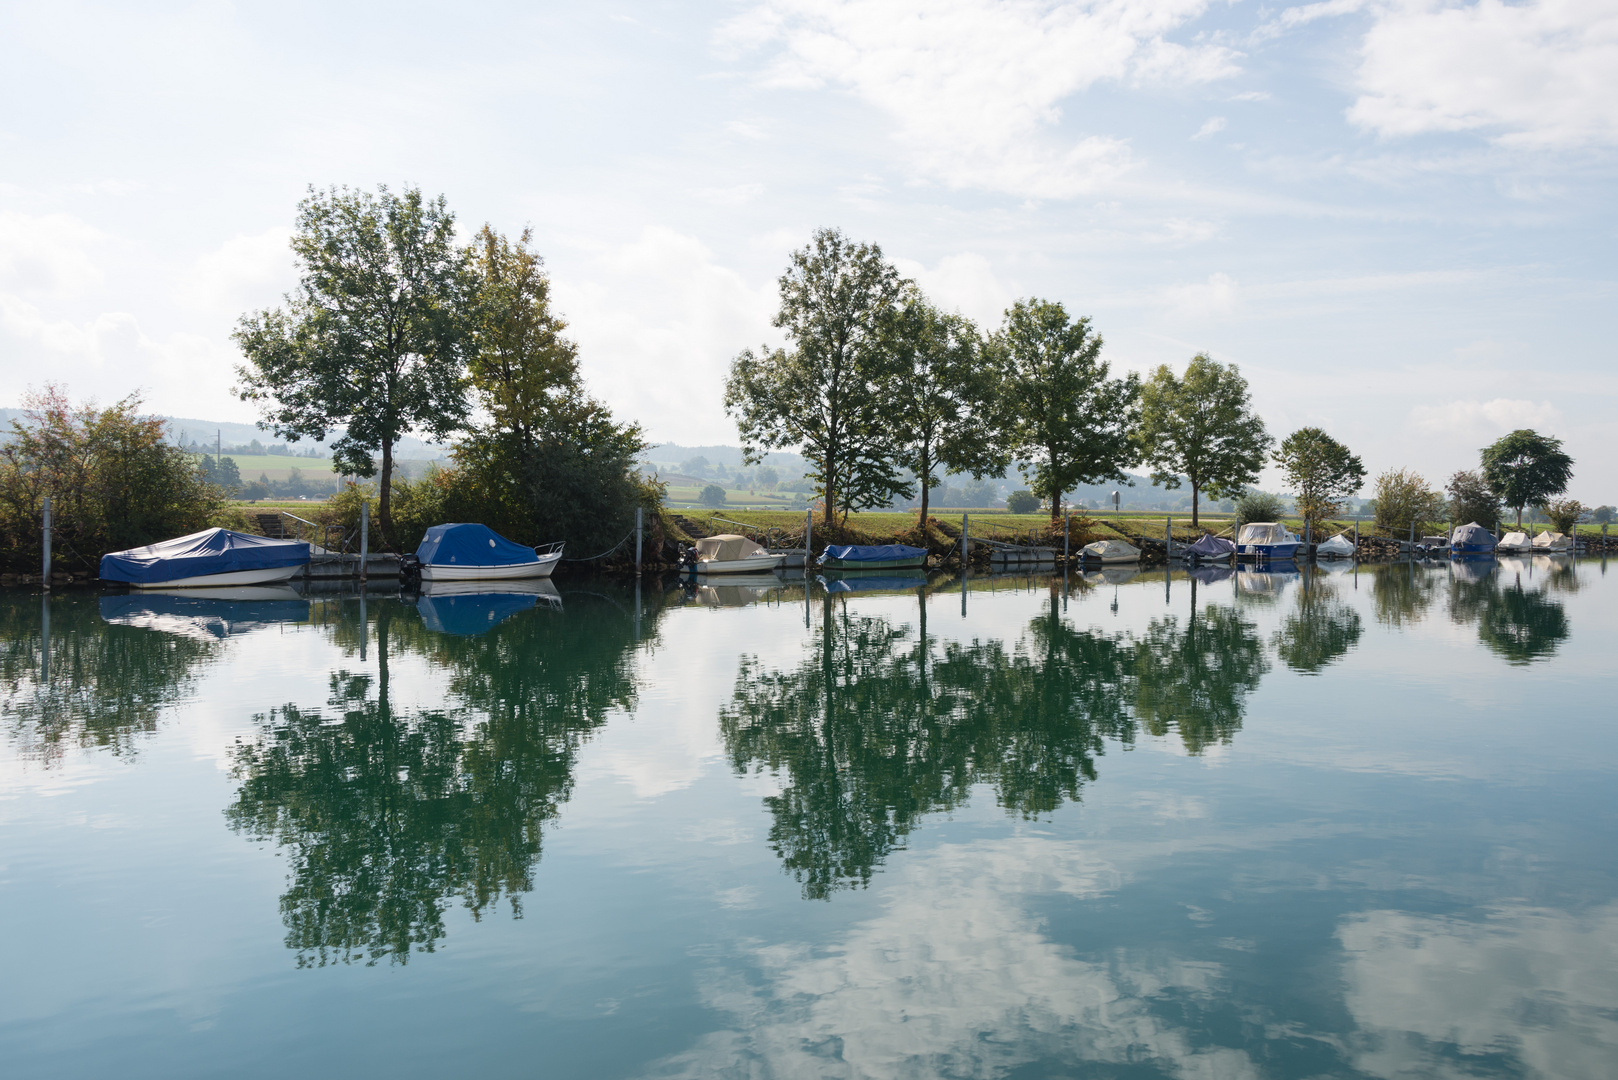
(409, 572)
(688, 556)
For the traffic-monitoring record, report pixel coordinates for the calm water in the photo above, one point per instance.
(1263, 825)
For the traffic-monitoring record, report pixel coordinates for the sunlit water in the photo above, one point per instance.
(1354, 823)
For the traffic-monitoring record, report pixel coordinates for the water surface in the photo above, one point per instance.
(1300, 823)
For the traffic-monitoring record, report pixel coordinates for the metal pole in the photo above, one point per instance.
(1168, 537)
(365, 535)
(1356, 538)
(45, 561)
(1067, 520)
(639, 513)
(365, 626)
(808, 535)
(966, 544)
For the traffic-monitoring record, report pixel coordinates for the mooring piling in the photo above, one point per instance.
(45, 562)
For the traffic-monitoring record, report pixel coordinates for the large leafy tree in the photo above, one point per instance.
(1068, 420)
(1470, 499)
(1321, 472)
(550, 462)
(1201, 427)
(944, 398)
(825, 392)
(1526, 468)
(375, 337)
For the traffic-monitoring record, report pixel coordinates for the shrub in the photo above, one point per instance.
(114, 479)
(712, 495)
(1564, 514)
(1258, 506)
(1404, 498)
(1602, 515)
(1022, 502)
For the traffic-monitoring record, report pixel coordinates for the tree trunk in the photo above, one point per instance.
(1056, 496)
(831, 486)
(384, 506)
(926, 488)
(1195, 490)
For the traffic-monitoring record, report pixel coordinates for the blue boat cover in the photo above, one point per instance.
(212, 551)
(470, 545)
(1473, 537)
(471, 614)
(872, 552)
(1208, 546)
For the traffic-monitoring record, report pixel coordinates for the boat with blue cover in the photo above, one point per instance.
(872, 557)
(1266, 540)
(466, 551)
(206, 559)
(1471, 539)
(1208, 548)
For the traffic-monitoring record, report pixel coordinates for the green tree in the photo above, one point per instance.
(1201, 427)
(1564, 514)
(551, 462)
(1403, 499)
(376, 335)
(1526, 468)
(943, 399)
(1258, 506)
(712, 495)
(1066, 418)
(1022, 502)
(824, 392)
(1322, 473)
(114, 479)
(223, 473)
(1471, 499)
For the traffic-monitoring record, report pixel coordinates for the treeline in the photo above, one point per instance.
(395, 327)
(885, 394)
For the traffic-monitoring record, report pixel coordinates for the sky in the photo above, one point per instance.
(1397, 217)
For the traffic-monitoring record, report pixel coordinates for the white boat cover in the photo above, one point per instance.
(1514, 541)
(1265, 532)
(727, 547)
(1110, 550)
(1472, 535)
(1553, 541)
(1337, 545)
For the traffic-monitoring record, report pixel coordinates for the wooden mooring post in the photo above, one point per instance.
(365, 538)
(639, 514)
(45, 562)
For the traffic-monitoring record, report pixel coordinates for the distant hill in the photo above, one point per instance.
(238, 434)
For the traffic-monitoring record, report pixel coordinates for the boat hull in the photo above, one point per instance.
(754, 565)
(845, 565)
(1471, 549)
(1268, 551)
(507, 572)
(1109, 560)
(269, 576)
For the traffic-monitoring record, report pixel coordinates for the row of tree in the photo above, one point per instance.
(883, 392)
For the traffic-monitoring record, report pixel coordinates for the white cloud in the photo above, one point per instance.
(53, 254)
(966, 283)
(973, 85)
(242, 273)
(1212, 126)
(1216, 296)
(1484, 419)
(1539, 986)
(1541, 74)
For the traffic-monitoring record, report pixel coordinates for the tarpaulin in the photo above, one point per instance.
(470, 545)
(212, 551)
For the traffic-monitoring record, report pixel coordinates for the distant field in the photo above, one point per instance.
(314, 470)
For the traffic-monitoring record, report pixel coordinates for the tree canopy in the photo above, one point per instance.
(1069, 421)
(1321, 472)
(825, 392)
(1526, 468)
(1201, 427)
(374, 339)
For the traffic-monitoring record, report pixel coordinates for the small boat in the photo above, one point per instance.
(728, 553)
(1516, 543)
(872, 557)
(1471, 539)
(1209, 548)
(465, 551)
(207, 559)
(1109, 552)
(1266, 540)
(1552, 543)
(1338, 547)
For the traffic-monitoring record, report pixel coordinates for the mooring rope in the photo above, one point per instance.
(609, 551)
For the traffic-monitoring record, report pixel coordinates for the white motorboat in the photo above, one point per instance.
(1552, 543)
(1515, 543)
(213, 558)
(1338, 547)
(1110, 552)
(466, 551)
(1266, 540)
(729, 553)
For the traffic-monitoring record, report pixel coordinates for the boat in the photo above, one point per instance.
(1516, 543)
(465, 551)
(1208, 548)
(1022, 558)
(1266, 540)
(1109, 552)
(728, 553)
(1338, 547)
(1471, 539)
(454, 608)
(1552, 543)
(207, 559)
(206, 614)
(872, 557)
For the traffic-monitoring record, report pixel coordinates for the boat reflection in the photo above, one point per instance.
(891, 581)
(470, 608)
(206, 614)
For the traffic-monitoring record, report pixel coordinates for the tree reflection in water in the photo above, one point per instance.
(1322, 629)
(107, 685)
(879, 727)
(387, 815)
(1519, 624)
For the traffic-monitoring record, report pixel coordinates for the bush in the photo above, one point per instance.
(1564, 514)
(712, 495)
(1022, 502)
(1404, 498)
(1258, 506)
(1602, 515)
(114, 480)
